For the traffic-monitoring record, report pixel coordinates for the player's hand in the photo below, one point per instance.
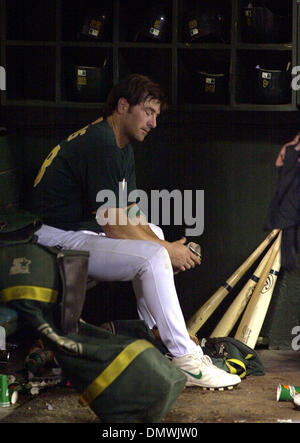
(281, 155)
(181, 256)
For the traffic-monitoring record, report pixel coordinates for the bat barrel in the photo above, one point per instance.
(252, 320)
(231, 316)
(203, 313)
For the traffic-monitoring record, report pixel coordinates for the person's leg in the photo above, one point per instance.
(148, 265)
(142, 308)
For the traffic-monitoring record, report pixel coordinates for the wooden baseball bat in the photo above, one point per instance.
(256, 311)
(203, 313)
(231, 316)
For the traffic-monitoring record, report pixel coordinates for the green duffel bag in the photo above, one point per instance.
(233, 356)
(124, 379)
(35, 279)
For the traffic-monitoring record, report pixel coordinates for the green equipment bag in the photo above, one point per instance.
(35, 279)
(123, 378)
(17, 226)
(233, 356)
(122, 374)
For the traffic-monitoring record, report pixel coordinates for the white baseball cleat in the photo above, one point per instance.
(296, 402)
(200, 371)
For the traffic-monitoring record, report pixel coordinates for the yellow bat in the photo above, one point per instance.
(256, 311)
(231, 316)
(203, 313)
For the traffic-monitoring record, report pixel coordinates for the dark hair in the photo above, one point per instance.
(135, 88)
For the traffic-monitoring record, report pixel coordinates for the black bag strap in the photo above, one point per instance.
(73, 268)
(73, 271)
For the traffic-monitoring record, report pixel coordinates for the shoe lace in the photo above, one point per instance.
(205, 359)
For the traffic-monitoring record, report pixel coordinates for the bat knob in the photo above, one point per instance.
(195, 248)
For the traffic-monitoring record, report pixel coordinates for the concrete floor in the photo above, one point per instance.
(254, 401)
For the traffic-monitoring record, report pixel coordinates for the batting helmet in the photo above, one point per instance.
(213, 88)
(272, 86)
(93, 83)
(206, 24)
(95, 25)
(262, 25)
(151, 23)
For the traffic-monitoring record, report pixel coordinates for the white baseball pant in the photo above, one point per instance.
(145, 263)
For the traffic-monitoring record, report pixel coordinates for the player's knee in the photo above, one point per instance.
(158, 257)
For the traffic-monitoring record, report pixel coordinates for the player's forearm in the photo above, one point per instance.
(134, 232)
(119, 225)
(135, 228)
(130, 231)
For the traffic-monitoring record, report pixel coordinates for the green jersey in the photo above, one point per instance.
(75, 171)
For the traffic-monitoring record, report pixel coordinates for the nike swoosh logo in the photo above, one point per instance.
(197, 376)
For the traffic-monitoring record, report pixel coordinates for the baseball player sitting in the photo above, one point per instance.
(126, 247)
